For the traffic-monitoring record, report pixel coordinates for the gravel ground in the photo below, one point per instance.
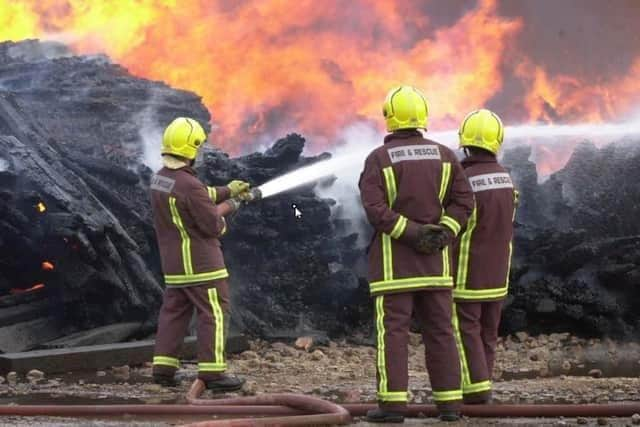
(554, 368)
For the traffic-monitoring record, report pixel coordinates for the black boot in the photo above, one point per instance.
(380, 415)
(165, 380)
(449, 416)
(478, 399)
(224, 383)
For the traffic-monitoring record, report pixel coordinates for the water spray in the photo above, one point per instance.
(356, 156)
(311, 173)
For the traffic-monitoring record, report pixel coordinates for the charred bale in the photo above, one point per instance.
(576, 257)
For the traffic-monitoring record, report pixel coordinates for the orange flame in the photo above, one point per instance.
(47, 266)
(571, 98)
(269, 67)
(41, 207)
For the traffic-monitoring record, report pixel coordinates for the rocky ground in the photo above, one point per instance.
(556, 368)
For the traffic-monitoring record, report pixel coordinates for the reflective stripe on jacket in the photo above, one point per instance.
(482, 253)
(407, 182)
(187, 226)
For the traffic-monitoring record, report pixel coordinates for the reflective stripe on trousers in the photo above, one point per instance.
(211, 302)
(393, 313)
(384, 395)
(218, 363)
(468, 386)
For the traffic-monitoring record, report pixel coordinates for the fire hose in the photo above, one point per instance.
(322, 411)
(289, 409)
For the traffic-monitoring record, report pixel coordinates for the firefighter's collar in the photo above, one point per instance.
(403, 134)
(479, 158)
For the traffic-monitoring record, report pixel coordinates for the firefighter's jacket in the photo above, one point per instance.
(187, 227)
(482, 253)
(407, 182)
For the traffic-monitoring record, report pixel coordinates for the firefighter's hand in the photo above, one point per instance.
(432, 238)
(245, 196)
(237, 187)
(229, 206)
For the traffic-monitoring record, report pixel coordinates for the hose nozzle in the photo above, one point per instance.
(254, 194)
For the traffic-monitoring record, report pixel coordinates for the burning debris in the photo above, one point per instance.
(75, 244)
(75, 208)
(80, 219)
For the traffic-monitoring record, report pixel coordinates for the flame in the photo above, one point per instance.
(35, 287)
(268, 67)
(41, 207)
(572, 98)
(47, 266)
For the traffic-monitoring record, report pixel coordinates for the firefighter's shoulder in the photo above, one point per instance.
(446, 152)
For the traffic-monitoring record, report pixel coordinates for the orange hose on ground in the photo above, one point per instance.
(321, 412)
(291, 409)
(517, 411)
(119, 410)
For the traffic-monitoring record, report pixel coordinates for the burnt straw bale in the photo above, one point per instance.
(576, 263)
(77, 246)
(79, 137)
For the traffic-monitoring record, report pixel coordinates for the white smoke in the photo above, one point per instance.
(34, 51)
(150, 132)
(355, 142)
(4, 165)
(359, 139)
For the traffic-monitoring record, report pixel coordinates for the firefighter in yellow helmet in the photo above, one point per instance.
(417, 199)
(188, 219)
(482, 254)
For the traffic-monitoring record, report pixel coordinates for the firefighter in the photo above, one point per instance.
(417, 199)
(188, 219)
(482, 254)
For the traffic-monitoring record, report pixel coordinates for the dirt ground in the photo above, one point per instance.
(554, 368)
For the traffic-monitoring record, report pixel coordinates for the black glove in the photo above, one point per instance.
(432, 238)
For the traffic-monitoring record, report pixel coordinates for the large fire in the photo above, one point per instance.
(269, 67)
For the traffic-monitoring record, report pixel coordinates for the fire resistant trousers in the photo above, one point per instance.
(476, 327)
(211, 302)
(393, 318)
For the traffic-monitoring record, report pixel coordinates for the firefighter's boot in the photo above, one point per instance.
(380, 415)
(449, 415)
(224, 383)
(483, 398)
(165, 380)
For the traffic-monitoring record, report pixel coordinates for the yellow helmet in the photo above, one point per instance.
(483, 129)
(183, 137)
(405, 108)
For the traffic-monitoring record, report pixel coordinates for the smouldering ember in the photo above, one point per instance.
(41, 207)
(35, 287)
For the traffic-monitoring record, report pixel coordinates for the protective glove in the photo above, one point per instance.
(245, 196)
(432, 238)
(234, 204)
(236, 187)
